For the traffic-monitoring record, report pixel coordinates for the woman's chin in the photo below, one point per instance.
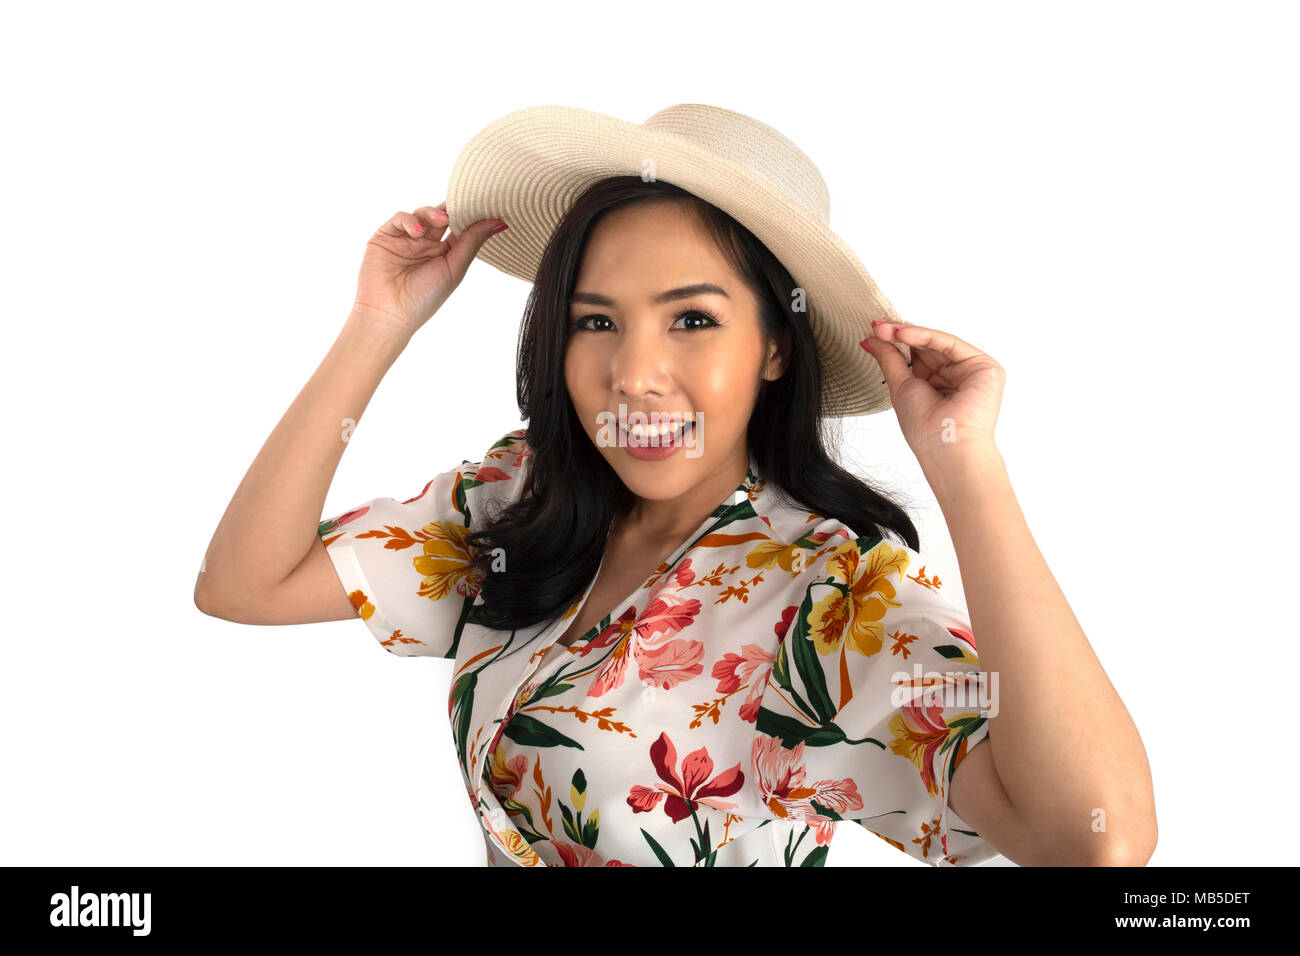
(655, 480)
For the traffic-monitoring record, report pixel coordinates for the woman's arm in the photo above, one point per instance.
(1068, 781)
(1064, 778)
(270, 527)
(271, 522)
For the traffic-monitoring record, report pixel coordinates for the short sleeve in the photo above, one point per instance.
(874, 698)
(405, 565)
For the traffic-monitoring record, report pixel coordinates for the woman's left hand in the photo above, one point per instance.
(949, 398)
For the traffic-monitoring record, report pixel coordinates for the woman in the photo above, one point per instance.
(681, 635)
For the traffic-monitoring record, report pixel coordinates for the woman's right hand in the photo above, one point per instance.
(409, 268)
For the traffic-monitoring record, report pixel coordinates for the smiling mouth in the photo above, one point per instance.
(657, 440)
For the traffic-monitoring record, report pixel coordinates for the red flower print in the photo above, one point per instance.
(328, 526)
(964, 634)
(667, 614)
(783, 625)
(614, 667)
(421, 494)
(686, 792)
(618, 628)
(684, 575)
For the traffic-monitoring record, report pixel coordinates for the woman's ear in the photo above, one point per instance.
(778, 357)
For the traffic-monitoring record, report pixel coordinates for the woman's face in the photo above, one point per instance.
(643, 346)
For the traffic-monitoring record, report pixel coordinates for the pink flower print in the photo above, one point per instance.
(674, 663)
(558, 852)
(734, 671)
(667, 614)
(663, 663)
(784, 788)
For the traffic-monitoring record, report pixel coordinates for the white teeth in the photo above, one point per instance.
(642, 432)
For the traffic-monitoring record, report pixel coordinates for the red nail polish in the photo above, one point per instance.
(864, 344)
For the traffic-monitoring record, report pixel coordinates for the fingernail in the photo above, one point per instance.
(498, 229)
(419, 228)
(864, 344)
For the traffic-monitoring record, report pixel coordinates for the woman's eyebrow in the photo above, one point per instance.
(682, 292)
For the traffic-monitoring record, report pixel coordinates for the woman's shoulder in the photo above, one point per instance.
(506, 458)
(503, 463)
(496, 479)
(823, 550)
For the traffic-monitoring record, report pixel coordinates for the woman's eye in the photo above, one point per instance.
(709, 320)
(581, 321)
(696, 314)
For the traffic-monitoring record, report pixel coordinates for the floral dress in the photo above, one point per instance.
(777, 675)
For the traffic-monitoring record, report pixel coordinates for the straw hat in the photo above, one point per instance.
(529, 166)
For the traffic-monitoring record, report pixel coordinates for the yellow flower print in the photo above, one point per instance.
(857, 616)
(445, 562)
(519, 848)
(773, 553)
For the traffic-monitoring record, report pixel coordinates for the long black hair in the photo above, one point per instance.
(553, 536)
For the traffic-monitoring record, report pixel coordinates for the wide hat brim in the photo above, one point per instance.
(529, 166)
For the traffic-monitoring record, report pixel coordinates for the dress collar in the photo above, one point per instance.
(751, 488)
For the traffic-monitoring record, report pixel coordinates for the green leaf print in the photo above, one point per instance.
(664, 858)
(791, 730)
(808, 664)
(462, 705)
(817, 857)
(826, 812)
(570, 828)
(550, 691)
(781, 669)
(591, 832)
(529, 731)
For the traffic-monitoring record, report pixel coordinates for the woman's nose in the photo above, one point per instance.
(640, 365)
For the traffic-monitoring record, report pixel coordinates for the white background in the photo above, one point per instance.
(1100, 195)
